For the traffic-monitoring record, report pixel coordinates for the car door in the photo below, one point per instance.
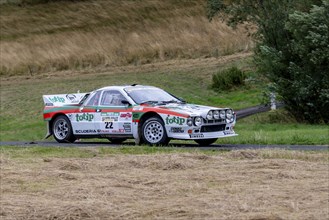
(83, 122)
(114, 117)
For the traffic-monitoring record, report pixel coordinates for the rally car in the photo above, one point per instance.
(147, 114)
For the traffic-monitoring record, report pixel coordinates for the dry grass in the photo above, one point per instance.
(111, 33)
(234, 185)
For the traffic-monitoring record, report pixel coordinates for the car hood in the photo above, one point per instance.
(190, 109)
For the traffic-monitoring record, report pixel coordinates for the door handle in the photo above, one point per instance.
(98, 110)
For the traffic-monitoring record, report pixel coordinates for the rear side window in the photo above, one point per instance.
(112, 98)
(95, 99)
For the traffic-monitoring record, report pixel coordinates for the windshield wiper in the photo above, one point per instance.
(149, 102)
(174, 101)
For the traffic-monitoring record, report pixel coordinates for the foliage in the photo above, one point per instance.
(227, 79)
(292, 49)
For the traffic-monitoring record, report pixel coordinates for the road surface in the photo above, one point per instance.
(172, 144)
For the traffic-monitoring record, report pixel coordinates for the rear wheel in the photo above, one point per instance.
(62, 130)
(206, 142)
(154, 132)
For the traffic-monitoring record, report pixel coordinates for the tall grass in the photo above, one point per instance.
(64, 35)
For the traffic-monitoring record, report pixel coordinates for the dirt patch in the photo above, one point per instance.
(242, 185)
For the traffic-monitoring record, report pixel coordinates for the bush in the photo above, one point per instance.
(228, 79)
(292, 49)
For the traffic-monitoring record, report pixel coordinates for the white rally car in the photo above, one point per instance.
(145, 113)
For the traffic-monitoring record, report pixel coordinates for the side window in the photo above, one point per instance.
(95, 99)
(112, 98)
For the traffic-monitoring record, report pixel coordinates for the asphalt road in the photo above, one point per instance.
(172, 144)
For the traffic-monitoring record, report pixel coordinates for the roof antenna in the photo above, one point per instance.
(134, 84)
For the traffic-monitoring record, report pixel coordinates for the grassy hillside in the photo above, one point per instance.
(68, 35)
(63, 47)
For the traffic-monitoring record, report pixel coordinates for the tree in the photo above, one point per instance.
(292, 49)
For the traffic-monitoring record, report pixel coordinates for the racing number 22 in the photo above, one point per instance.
(109, 125)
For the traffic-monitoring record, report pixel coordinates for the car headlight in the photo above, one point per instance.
(198, 121)
(210, 115)
(229, 114)
(222, 114)
(216, 114)
(189, 122)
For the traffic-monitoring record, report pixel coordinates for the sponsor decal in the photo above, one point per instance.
(84, 117)
(109, 119)
(136, 116)
(85, 131)
(127, 127)
(176, 130)
(126, 115)
(196, 135)
(116, 114)
(228, 132)
(57, 99)
(72, 98)
(118, 131)
(175, 120)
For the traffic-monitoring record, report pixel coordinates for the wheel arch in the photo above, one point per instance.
(144, 117)
(50, 123)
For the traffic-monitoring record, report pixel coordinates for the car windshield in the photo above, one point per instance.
(150, 95)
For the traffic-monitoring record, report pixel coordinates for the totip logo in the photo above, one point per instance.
(84, 117)
(57, 99)
(175, 120)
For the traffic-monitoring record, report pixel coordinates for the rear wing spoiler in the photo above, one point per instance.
(63, 99)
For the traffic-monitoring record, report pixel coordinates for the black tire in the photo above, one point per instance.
(62, 130)
(154, 132)
(117, 140)
(205, 142)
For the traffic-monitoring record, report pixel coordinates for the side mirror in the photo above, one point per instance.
(125, 102)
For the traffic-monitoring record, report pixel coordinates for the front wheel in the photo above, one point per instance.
(62, 130)
(206, 142)
(154, 132)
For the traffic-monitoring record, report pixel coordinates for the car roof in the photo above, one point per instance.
(124, 87)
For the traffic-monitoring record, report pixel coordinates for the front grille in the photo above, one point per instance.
(213, 128)
(213, 121)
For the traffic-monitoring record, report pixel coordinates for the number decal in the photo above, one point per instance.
(109, 125)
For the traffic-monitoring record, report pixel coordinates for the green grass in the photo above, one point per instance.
(277, 127)
(257, 133)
